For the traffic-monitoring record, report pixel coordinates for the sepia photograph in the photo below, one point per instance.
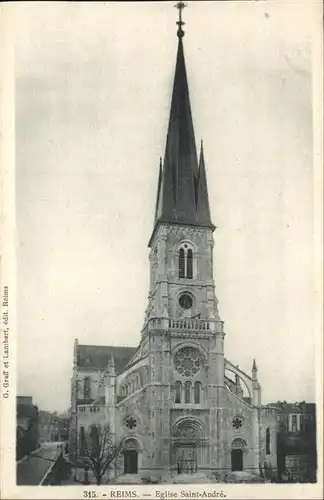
(161, 323)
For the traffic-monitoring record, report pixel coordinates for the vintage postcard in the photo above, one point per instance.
(161, 250)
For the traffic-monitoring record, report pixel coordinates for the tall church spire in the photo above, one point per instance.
(182, 196)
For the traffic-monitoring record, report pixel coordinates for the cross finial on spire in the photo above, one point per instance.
(180, 6)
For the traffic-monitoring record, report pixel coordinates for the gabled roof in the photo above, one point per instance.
(98, 357)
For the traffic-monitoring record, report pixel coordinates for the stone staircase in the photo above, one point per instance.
(197, 478)
(129, 479)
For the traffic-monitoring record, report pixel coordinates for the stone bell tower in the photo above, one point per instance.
(181, 257)
(182, 313)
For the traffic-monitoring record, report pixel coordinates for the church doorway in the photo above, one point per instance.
(188, 445)
(237, 460)
(131, 448)
(238, 447)
(187, 458)
(130, 462)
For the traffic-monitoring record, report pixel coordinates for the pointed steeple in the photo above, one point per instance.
(203, 211)
(182, 189)
(180, 167)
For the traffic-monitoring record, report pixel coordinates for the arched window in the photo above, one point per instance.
(187, 392)
(82, 441)
(268, 441)
(94, 435)
(182, 263)
(77, 388)
(185, 262)
(86, 388)
(197, 392)
(178, 389)
(189, 264)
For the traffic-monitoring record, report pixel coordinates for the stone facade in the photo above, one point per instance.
(174, 402)
(178, 403)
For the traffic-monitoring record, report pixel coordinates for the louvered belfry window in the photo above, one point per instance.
(181, 263)
(185, 262)
(189, 263)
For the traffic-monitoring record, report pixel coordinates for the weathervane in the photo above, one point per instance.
(180, 6)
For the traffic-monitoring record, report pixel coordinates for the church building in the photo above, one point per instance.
(174, 402)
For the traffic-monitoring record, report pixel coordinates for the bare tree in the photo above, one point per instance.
(100, 450)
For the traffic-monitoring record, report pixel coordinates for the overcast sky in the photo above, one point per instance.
(93, 95)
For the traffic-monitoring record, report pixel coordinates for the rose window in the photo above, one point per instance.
(131, 423)
(237, 422)
(188, 361)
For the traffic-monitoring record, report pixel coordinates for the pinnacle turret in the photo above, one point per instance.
(254, 371)
(158, 197)
(203, 211)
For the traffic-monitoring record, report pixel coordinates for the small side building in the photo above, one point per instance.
(53, 427)
(27, 434)
(296, 441)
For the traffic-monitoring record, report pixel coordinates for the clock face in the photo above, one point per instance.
(185, 301)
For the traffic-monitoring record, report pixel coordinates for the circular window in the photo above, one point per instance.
(131, 423)
(237, 422)
(188, 361)
(185, 301)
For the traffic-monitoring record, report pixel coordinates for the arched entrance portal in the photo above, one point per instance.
(238, 446)
(130, 450)
(188, 446)
(237, 459)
